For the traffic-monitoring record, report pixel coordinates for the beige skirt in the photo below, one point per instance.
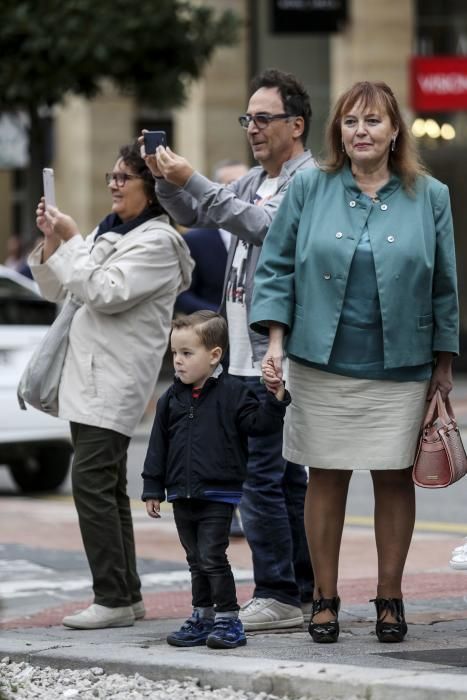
(337, 422)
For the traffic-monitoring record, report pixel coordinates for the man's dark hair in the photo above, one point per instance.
(131, 156)
(294, 96)
(211, 328)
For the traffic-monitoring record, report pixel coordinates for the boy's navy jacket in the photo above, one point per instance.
(200, 446)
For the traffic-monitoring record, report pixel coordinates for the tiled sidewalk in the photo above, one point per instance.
(53, 524)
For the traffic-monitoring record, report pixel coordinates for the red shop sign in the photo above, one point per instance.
(439, 83)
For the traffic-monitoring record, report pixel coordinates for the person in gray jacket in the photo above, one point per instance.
(277, 123)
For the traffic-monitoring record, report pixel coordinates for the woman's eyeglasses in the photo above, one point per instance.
(120, 178)
(261, 121)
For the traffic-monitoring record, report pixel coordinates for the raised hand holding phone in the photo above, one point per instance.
(149, 158)
(174, 168)
(153, 139)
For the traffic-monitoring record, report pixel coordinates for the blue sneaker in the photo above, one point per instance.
(227, 633)
(193, 633)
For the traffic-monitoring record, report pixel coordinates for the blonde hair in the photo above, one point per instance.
(404, 160)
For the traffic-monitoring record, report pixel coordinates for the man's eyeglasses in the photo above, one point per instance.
(261, 121)
(120, 178)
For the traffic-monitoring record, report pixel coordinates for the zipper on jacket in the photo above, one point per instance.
(191, 415)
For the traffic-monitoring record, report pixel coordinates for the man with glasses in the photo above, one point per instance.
(276, 123)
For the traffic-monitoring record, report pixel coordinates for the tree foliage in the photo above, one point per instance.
(149, 48)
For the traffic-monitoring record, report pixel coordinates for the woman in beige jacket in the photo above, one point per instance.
(127, 274)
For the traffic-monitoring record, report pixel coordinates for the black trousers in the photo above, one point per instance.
(203, 528)
(99, 490)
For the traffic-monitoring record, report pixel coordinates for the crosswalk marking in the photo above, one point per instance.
(20, 578)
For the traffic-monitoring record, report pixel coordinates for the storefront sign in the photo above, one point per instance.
(439, 83)
(303, 16)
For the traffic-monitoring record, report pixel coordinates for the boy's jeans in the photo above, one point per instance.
(203, 528)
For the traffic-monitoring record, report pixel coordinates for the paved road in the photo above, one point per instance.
(42, 563)
(43, 577)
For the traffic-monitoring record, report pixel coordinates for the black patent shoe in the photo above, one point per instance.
(390, 631)
(325, 632)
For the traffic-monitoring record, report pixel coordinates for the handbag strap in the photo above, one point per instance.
(438, 408)
(450, 410)
(445, 412)
(430, 413)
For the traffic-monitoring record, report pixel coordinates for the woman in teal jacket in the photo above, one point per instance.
(357, 278)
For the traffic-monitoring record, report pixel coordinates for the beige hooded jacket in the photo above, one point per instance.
(128, 285)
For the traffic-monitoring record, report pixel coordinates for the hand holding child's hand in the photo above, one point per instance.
(271, 379)
(153, 508)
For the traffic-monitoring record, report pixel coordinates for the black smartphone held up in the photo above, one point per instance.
(153, 139)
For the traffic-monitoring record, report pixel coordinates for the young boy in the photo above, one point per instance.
(198, 454)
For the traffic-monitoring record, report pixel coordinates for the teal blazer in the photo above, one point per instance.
(304, 264)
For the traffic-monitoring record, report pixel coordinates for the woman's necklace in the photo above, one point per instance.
(371, 190)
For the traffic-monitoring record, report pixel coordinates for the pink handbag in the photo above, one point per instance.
(441, 458)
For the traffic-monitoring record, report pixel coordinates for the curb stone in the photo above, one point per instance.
(314, 681)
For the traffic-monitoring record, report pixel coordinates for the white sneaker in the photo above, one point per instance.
(139, 610)
(99, 616)
(269, 614)
(459, 560)
(461, 548)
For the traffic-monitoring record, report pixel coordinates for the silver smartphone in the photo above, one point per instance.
(49, 186)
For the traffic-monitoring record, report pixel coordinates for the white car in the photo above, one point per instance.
(35, 447)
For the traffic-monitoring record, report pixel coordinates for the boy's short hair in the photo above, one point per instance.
(211, 328)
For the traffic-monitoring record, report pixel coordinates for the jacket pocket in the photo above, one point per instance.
(425, 321)
(231, 463)
(91, 388)
(95, 385)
